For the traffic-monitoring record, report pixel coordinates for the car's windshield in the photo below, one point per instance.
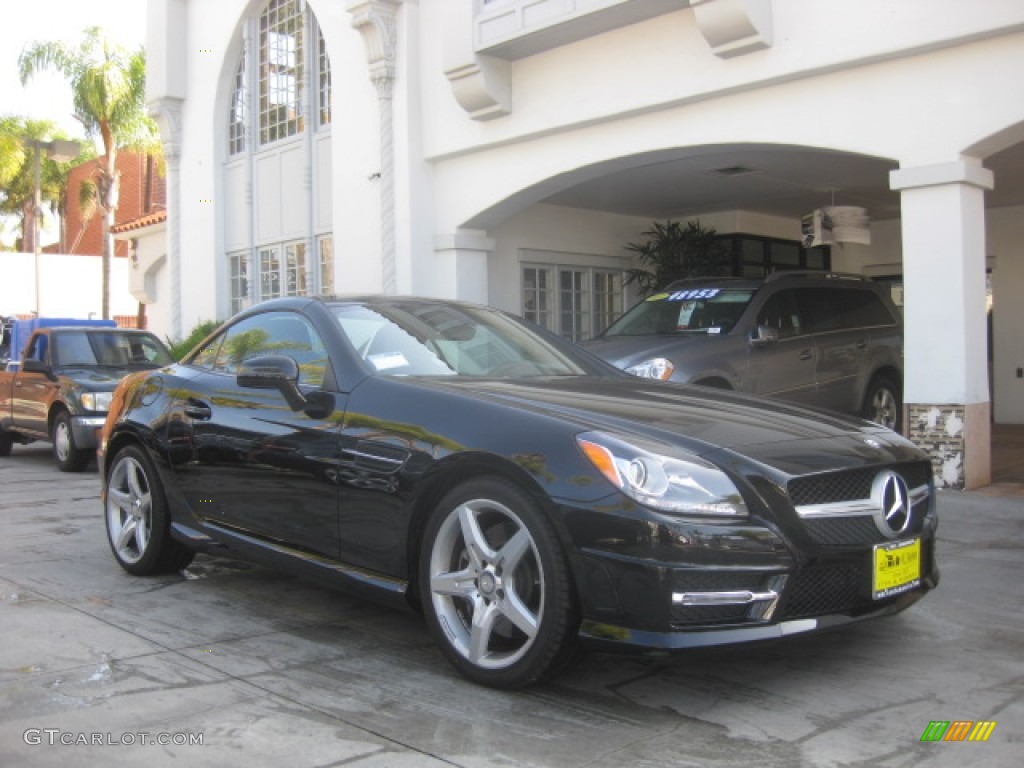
(703, 309)
(424, 339)
(109, 348)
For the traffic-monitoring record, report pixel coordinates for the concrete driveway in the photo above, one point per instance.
(268, 670)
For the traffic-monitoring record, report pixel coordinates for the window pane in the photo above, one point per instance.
(238, 119)
(537, 296)
(295, 269)
(572, 304)
(270, 273)
(281, 75)
(607, 299)
(324, 80)
(238, 265)
(327, 265)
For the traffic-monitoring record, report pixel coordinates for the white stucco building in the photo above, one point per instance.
(506, 151)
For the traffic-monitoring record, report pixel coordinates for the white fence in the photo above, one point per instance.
(69, 285)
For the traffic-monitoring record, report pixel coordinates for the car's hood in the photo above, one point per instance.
(97, 379)
(701, 419)
(623, 351)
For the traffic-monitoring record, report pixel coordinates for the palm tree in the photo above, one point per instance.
(17, 182)
(108, 89)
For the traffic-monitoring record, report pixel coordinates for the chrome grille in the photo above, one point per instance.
(847, 485)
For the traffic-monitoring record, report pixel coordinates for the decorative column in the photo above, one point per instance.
(376, 22)
(946, 396)
(462, 261)
(167, 114)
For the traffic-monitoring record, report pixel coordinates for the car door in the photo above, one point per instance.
(785, 366)
(835, 316)
(33, 391)
(250, 463)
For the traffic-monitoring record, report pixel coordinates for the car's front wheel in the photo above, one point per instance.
(495, 586)
(69, 457)
(138, 525)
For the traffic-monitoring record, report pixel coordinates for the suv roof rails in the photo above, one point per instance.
(815, 273)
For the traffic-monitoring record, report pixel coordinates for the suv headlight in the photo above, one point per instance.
(656, 368)
(96, 401)
(682, 484)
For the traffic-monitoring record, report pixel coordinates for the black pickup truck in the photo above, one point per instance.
(60, 390)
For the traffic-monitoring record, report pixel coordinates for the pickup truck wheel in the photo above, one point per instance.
(68, 456)
(138, 525)
(6, 441)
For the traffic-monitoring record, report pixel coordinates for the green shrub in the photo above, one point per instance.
(181, 348)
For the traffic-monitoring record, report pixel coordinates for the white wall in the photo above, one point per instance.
(1005, 242)
(69, 285)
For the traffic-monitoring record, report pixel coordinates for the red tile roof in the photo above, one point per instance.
(143, 221)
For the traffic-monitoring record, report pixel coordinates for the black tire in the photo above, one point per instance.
(6, 443)
(514, 581)
(69, 457)
(137, 519)
(883, 403)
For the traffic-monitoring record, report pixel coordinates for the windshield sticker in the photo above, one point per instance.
(692, 293)
(657, 297)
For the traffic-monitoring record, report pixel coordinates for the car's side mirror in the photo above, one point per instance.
(764, 336)
(37, 366)
(281, 372)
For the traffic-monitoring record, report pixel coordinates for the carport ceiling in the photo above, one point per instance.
(771, 180)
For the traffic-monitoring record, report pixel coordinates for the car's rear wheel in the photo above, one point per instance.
(882, 403)
(6, 443)
(138, 525)
(495, 586)
(69, 457)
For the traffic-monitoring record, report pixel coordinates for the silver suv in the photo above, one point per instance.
(824, 339)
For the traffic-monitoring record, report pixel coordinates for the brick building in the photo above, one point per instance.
(142, 193)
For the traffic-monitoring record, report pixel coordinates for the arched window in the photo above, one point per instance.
(277, 232)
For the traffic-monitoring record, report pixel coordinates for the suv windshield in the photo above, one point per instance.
(698, 310)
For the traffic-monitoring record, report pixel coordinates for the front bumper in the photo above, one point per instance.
(649, 582)
(86, 430)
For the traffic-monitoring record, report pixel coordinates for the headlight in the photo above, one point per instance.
(96, 401)
(684, 486)
(656, 368)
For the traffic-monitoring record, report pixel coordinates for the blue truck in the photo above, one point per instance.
(60, 378)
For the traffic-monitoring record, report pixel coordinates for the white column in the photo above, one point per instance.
(946, 395)
(462, 265)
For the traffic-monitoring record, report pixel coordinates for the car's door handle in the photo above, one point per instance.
(807, 354)
(198, 410)
(862, 344)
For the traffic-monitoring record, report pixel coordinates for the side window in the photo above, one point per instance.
(36, 349)
(275, 333)
(824, 308)
(781, 312)
(836, 308)
(208, 354)
(865, 309)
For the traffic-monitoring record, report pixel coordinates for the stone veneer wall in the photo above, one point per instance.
(939, 430)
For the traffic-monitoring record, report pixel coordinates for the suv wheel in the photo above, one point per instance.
(882, 403)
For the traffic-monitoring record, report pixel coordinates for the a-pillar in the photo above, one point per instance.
(946, 395)
(462, 264)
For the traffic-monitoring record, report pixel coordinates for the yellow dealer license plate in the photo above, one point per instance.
(897, 568)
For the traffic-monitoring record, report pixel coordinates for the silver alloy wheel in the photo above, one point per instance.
(129, 509)
(884, 408)
(62, 439)
(487, 583)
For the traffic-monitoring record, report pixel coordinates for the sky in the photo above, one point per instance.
(28, 21)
